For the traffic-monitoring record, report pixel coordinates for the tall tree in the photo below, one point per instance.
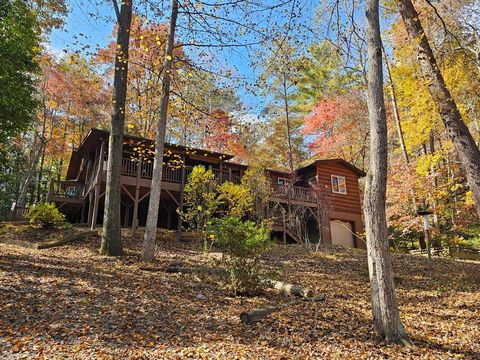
(112, 234)
(386, 316)
(156, 187)
(338, 127)
(466, 148)
(19, 44)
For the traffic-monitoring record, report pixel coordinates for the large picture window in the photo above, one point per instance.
(339, 185)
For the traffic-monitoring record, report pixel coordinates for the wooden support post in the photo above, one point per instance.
(90, 208)
(51, 191)
(82, 213)
(87, 172)
(284, 227)
(230, 175)
(98, 181)
(127, 215)
(169, 218)
(180, 206)
(96, 201)
(137, 196)
(220, 175)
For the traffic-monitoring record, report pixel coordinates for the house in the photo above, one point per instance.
(320, 200)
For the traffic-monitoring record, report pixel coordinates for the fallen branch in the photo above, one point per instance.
(255, 315)
(181, 269)
(290, 289)
(189, 270)
(67, 239)
(46, 245)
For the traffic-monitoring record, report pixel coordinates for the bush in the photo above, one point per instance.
(235, 200)
(242, 243)
(200, 200)
(45, 215)
(260, 187)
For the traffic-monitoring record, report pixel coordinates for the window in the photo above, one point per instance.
(283, 181)
(338, 184)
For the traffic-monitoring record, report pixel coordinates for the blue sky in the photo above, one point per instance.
(90, 23)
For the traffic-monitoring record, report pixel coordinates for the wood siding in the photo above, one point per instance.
(346, 203)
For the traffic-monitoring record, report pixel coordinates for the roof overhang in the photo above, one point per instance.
(342, 162)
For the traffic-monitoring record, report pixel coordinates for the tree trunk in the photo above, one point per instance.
(396, 113)
(467, 150)
(112, 234)
(156, 187)
(43, 142)
(384, 305)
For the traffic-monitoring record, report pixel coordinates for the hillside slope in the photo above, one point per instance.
(69, 301)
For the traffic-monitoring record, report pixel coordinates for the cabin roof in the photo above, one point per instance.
(338, 161)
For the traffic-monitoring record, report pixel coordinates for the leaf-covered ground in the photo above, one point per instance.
(69, 302)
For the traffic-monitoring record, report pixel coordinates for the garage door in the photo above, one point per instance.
(341, 233)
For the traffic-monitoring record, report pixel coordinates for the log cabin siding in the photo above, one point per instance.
(349, 202)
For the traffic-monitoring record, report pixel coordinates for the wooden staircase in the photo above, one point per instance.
(288, 230)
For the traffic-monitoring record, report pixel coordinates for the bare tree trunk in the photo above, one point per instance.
(112, 232)
(156, 187)
(396, 114)
(289, 129)
(43, 142)
(467, 150)
(385, 310)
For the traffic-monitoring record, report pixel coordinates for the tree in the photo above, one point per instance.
(338, 128)
(146, 56)
(386, 316)
(112, 234)
(19, 47)
(156, 185)
(278, 80)
(466, 148)
(322, 75)
(219, 133)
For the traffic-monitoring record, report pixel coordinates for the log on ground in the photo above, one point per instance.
(67, 239)
(255, 315)
(290, 288)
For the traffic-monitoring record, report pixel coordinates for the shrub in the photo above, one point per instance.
(235, 200)
(242, 243)
(260, 188)
(200, 200)
(45, 215)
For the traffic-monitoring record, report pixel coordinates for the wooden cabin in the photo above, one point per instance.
(321, 200)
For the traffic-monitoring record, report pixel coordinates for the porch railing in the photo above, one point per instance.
(66, 189)
(18, 214)
(295, 193)
(170, 173)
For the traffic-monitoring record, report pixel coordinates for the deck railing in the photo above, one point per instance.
(18, 214)
(169, 173)
(295, 193)
(75, 190)
(66, 189)
(172, 174)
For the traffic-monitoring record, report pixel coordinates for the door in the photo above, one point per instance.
(342, 233)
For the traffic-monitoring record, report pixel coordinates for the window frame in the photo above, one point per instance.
(338, 184)
(285, 181)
